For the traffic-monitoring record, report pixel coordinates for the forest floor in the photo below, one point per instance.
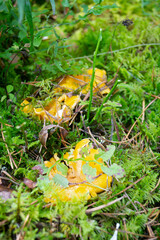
(80, 120)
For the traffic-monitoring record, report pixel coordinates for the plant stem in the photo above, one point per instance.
(104, 101)
(93, 75)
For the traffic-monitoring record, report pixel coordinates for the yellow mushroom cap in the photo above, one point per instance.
(79, 187)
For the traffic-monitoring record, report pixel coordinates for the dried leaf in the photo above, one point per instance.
(5, 193)
(39, 169)
(43, 135)
(29, 183)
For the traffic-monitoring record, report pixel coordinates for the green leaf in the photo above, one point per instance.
(58, 65)
(9, 88)
(28, 13)
(115, 170)
(53, 6)
(37, 41)
(97, 1)
(12, 97)
(3, 98)
(22, 33)
(85, 8)
(61, 180)
(34, 143)
(18, 141)
(61, 167)
(106, 155)
(89, 171)
(106, 170)
(113, 104)
(65, 3)
(21, 5)
(43, 182)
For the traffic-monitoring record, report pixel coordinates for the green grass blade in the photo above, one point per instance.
(93, 74)
(53, 6)
(104, 101)
(21, 5)
(28, 13)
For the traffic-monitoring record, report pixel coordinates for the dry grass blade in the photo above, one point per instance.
(20, 236)
(12, 162)
(94, 140)
(89, 211)
(139, 117)
(125, 228)
(129, 186)
(139, 235)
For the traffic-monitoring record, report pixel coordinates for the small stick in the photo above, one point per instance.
(156, 185)
(155, 160)
(95, 139)
(20, 236)
(140, 116)
(152, 95)
(128, 186)
(143, 111)
(145, 210)
(8, 179)
(125, 228)
(88, 211)
(131, 201)
(150, 231)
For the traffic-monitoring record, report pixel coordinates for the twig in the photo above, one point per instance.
(155, 160)
(122, 214)
(130, 200)
(123, 141)
(156, 185)
(125, 228)
(88, 211)
(150, 231)
(94, 140)
(145, 210)
(8, 179)
(137, 234)
(20, 235)
(152, 95)
(128, 186)
(143, 111)
(140, 116)
(118, 50)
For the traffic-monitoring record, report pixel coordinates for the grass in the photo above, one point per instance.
(127, 118)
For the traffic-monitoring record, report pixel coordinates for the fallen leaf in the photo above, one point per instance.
(29, 183)
(38, 168)
(43, 135)
(5, 193)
